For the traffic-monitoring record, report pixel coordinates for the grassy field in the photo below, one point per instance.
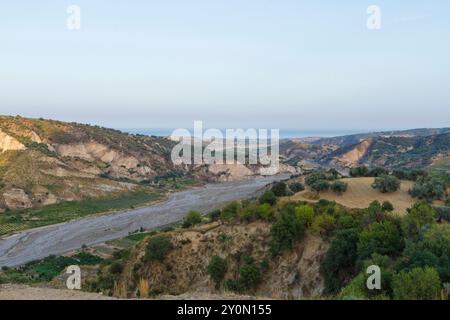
(30, 218)
(360, 194)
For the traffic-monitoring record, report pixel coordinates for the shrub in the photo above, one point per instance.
(268, 197)
(420, 215)
(191, 219)
(376, 172)
(157, 248)
(214, 215)
(429, 188)
(217, 268)
(279, 189)
(315, 177)
(417, 284)
(285, 231)
(381, 237)
(338, 187)
(296, 187)
(265, 211)
(323, 225)
(230, 211)
(305, 214)
(387, 206)
(248, 214)
(339, 262)
(385, 183)
(116, 267)
(320, 185)
(249, 275)
(361, 171)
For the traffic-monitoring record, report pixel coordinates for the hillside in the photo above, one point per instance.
(419, 148)
(43, 162)
(392, 152)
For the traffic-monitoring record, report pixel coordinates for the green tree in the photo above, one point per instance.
(320, 185)
(268, 197)
(339, 187)
(279, 189)
(230, 211)
(217, 268)
(323, 225)
(296, 187)
(386, 183)
(265, 211)
(191, 219)
(338, 265)
(249, 275)
(285, 231)
(387, 206)
(429, 188)
(305, 214)
(361, 171)
(419, 216)
(417, 284)
(381, 237)
(157, 248)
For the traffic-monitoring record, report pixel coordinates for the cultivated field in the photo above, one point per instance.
(360, 194)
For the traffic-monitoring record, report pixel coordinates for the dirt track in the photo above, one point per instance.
(57, 239)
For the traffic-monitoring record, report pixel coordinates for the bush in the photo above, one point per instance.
(339, 263)
(249, 275)
(361, 171)
(157, 248)
(376, 172)
(387, 206)
(320, 185)
(249, 214)
(385, 183)
(296, 187)
(447, 201)
(382, 237)
(268, 197)
(417, 284)
(279, 189)
(338, 187)
(285, 231)
(429, 188)
(265, 211)
(230, 211)
(191, 219)
(305, 214)
(323, 225)
(217, 268)
(116, 267)
(315, 177)
(419, 216)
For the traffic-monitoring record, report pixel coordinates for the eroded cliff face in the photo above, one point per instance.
(8, 143)
(295, 274)
(354, 156)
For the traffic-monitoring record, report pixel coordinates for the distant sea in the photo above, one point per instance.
(284, 133)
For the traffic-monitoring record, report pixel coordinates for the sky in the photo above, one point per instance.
(301, 64)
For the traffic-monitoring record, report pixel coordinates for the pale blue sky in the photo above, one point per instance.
(231, 63)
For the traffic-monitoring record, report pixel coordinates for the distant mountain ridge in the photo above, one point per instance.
(356, 138)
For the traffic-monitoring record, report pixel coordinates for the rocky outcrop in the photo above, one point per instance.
(16, 199)
(9, 143)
